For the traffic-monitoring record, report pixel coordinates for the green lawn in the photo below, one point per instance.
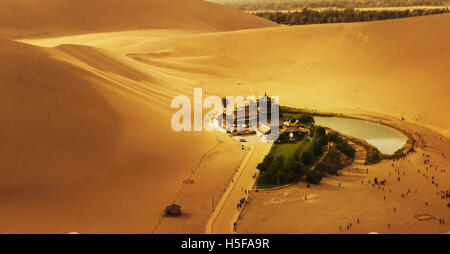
(277, 171)
(287, 150)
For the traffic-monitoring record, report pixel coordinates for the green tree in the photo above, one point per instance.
(307, 158)
(298, 168)
(314, 177)
(320, 131)
(306, 119)
(323, 140)
(317, 148)
(263, 166)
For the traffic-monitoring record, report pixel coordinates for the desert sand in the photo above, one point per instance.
(87, 144)
(86, 141)
(28, 18)
(349, 204)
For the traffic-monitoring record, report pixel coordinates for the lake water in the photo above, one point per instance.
(388, 140)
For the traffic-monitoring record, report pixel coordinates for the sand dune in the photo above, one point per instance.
(375, 66)
(45, 18)
(86, 142)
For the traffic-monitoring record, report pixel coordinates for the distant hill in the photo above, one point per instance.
(43, 18)
(295, 4)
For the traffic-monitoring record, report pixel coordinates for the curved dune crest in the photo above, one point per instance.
(86, 141)
(45, 18)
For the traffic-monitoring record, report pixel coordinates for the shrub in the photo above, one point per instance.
(314, 177)
(299, 136)
(285, 176)
(306, 119)
(307, 158)
(263, 166)
(320, 131)
(399, 154)
(329, 167)
(334, 137)
(323, 140)
(333, 153)
(317, 148)
(350, 152)
(278, 163)
(345, 148)
(331, 163)
(298, 168)
(268, 178)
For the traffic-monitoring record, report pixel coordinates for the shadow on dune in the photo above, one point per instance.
(56, 128)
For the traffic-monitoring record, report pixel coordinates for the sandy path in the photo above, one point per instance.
(221, 221)
(359, 162)
(210, 180)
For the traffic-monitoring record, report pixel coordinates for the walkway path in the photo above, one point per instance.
(226, 212)
(359, 162)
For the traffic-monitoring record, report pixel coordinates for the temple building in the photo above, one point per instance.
(249, 122)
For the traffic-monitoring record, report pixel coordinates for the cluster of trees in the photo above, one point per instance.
(331, 163)
(254, 5)
(301, 117)
(280, 170)
(310, 16)
(333, 160)
(306, 119)
(341, 144)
